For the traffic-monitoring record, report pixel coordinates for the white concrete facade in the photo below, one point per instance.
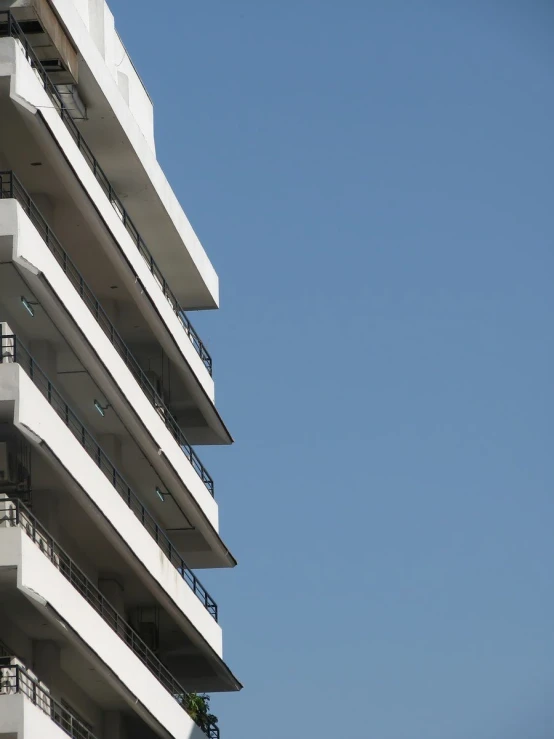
(27, 90)
(33, 416)
(99, 21)
(40, 582)
(30, 253)
(105, 395)
(109, 81)
(135, 117)
(19, 717)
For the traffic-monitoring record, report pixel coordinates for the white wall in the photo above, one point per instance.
(82, 7)
(20, 716)
(99, 21)
(11, 714)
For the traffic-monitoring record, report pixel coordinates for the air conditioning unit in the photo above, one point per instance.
(6, 465)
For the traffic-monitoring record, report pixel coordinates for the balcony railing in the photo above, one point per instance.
(14, 513)
(10, 27)
(15, 678)
(11, 187)
(12, 350)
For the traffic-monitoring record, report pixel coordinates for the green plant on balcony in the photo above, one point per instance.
(198, 708)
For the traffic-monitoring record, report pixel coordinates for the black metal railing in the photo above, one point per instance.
(10, 27)
(12, 350)
(14, 513)
(11, 187)
(16, 679)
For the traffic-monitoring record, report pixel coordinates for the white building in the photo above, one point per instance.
(106, 391)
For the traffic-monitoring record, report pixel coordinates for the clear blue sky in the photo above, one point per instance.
(374, 182)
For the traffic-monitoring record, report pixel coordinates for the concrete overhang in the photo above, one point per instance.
(116, 139)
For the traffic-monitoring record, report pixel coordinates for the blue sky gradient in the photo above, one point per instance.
(374, 184)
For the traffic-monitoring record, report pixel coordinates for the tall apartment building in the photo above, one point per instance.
(106, 392)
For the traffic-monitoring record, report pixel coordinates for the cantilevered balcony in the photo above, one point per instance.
(52, 169)
(9, 27)
(16, 679)
(11, 188)
(13, 351)
(73, 497)
(63, 336)
(13, 514)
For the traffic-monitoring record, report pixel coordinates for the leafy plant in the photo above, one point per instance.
(198, 708)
